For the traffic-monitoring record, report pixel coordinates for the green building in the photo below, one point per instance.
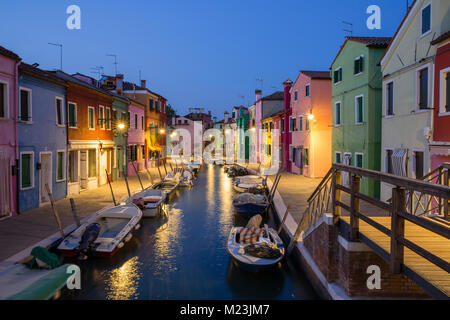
(356, 106)
(242, 139)
(120, 107)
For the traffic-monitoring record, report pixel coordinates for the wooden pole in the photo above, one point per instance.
(159, 171)
(137, 173)
(110, 187)
(171, 168)
(165, 169)
(284, 220)
(397, 229)
(74, 212)
(355, 207)
(126, 182)
(149, 176)
(55, 213)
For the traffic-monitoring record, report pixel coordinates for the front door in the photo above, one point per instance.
(83, 169)
(103, 166)
(45, 176)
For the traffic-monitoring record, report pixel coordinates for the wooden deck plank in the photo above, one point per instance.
(428, 240)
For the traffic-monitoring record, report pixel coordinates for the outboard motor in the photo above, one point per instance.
(87, 240)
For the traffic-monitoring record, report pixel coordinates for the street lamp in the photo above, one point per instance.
(121, 126)
(311, 116)
(162, 131)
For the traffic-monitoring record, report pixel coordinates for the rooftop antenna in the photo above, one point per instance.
(115, 60)
(60, 47)
(139, 76)
(260, 80)
(351, 27)
(97, 70)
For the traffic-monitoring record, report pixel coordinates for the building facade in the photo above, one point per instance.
(9, 62)
(136, 137)
(242, 133)
(42, 133)
(408, 91)
(356, 106)
(310, 124)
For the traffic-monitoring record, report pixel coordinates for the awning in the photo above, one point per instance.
(155, 148)
(399, 161)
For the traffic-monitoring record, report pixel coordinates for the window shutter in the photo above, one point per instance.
(447, 105)
(423, 97)
(355, 66)
(340, 74)
(24, 105)
(336, 76)
(361, 64)
(26, 170)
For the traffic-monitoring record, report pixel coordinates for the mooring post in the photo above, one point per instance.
(55, 213)
(110, 187)
(74, 212)
(159, 171)
(397, 229)
(149, 176)
(126, 182)
(355, 207)
(284, 220)
(137, 173)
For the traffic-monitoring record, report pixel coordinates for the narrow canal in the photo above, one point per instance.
(184, 257)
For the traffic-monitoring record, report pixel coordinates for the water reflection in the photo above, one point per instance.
(123, 282)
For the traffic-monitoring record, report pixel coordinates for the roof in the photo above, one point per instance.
(441, 38)
(278, 95)
(317, 74)
(398, 29)
(79, 82)
(129, 86)
(277, 113)
(371, 42)
(8, 53)
(34, 71)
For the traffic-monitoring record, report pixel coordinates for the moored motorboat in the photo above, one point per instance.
(104, 233)
(187, 179)
(249, 183)
(169, 184)
(249, 204)
(150, 201)
(236, 171)
(253, 248)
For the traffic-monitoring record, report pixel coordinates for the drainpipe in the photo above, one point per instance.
(286, 135)
(16, 135)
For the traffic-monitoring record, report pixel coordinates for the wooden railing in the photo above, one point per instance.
(327, 198)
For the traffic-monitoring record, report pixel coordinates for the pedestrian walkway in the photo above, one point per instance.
(22, 231)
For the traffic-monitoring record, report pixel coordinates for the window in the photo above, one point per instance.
(358, 65)
(26, 170)
(157, 106)
(292, 124)
(359, 159)
(142, 122)
(92, 162)
(306, 124)
(444, 90)
(108, 118)
(388, 164)
(300, 127)
(423, 88)
(338, 157)
(307, 90)
(337, 75)
(135, 121)
(305, 157)
(418, 164)
(337, 114)
(295, 95)
(114, 119)
(25, 104)
(3, 100)
(390, 99)
(185, 122)
(129, 120)
(60, 172)
(72, 115)
(150, 102)
(59, 112)
(101, 117)
(426, 19)
(359, 107)
(91, 118)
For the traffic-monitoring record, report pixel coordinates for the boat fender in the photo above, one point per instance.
(120, 245)
(138, 226)
(128, 237)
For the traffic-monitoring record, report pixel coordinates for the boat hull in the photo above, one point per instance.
(250, 209)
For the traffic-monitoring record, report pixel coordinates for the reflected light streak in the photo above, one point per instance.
(123, 282)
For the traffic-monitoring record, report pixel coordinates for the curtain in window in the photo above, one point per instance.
(6, 196)
(399, 160)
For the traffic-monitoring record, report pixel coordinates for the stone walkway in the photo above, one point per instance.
(22, 231)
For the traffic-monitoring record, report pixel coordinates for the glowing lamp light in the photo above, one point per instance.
(253, 129)
(311, 116)
(162, 131)
(121, 126)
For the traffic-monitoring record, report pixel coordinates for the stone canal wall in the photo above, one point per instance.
(338, 268)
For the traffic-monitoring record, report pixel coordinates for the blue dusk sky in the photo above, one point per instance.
(196, 53)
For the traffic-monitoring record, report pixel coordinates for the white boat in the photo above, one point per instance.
(187, 179)
(249, 183)
(111, 228)
(150, 201)
(169, 184)
(264, 251)
(18, 282)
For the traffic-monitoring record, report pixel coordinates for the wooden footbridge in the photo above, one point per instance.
(411, 231)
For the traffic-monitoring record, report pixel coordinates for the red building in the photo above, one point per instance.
(90, 134)
(440, 144)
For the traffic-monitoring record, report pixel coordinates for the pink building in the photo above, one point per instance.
(310, 124)
(9, 62)
(136, 135)
(258, 122)
(181, 123)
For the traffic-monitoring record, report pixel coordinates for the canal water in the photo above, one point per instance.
(183, 256)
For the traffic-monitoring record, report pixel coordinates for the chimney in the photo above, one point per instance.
(225, 117)
(119, 83)
(214, 120)
(258, 94)
(143, 84)
(287, 95)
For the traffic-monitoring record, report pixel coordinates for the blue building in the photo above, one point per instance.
(42, 137)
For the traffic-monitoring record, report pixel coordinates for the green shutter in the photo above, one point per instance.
(60, 165)
(26, 170)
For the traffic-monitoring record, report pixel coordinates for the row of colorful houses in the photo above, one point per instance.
(70, 132)
(383, 105)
